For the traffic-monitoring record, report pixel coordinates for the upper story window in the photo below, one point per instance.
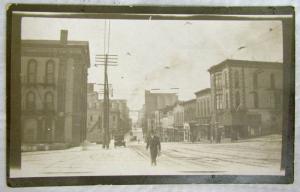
(31, 71)
(255, 100)
(30, 101)
(208, 107)
(236, 79)
(218, 80)
(254, 80)
(198, 108)
(219, 101)
(225, 80)
(272, 81)
(227, 100)
(49, 101)
(50, 70)
(204, 107)
(237, 99)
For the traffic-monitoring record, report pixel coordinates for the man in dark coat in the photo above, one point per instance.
(154, 144)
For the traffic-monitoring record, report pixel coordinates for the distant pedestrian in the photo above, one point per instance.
(155, 148)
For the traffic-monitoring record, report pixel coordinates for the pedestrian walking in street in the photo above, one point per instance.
(153, 143)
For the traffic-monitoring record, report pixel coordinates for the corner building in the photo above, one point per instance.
(246, 98)
(54, 96)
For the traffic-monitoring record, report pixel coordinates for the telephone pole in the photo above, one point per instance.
(106, 60)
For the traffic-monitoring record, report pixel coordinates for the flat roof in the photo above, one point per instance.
(247, 63)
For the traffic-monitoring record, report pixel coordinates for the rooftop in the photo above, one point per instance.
(53, 42)
(189, 101)
(202, 91)
(245, 63)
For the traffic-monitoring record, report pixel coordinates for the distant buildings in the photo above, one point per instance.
(166, 129)
(153, 102)
(94, 115)
(245, 100)
(190, 108)
(119, 121)
(202, 130)
(178, 113)
(54, 83)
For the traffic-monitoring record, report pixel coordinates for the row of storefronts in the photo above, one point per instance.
(244, 100)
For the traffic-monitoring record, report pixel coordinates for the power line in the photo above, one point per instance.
(106, 60)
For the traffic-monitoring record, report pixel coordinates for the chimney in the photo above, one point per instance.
(63, 36)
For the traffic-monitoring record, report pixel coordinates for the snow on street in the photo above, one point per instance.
(255, 156)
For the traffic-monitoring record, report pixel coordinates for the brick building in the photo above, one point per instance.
(246, 98)
(54, 83)
(202, 130)
(178, 113)
(119, 121)
(153, 102)
(189, 118)
(166, 127)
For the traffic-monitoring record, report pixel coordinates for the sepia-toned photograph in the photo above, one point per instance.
(142, 94)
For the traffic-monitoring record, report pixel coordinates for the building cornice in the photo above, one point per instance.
(245, 63)
(203, 92)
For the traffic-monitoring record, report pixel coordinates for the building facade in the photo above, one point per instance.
(54, 97)
(246, 98)
(189, 119)
(167, 130)
(153, 102)
(119, 120)
(178, 113)
(94, 116)
(202, 130)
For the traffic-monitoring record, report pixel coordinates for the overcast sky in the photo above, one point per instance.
(164, 54)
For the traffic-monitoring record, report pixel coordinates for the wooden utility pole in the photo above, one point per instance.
(106, 60)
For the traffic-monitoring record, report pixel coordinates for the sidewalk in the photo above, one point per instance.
(92, 161)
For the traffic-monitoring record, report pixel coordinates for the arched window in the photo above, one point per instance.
(255, 100)
(237, 99)
(49, 101)
(50, 69)
(254, 80)
(31, 71)
(272, 80)
(236, 79)
(30, 101)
